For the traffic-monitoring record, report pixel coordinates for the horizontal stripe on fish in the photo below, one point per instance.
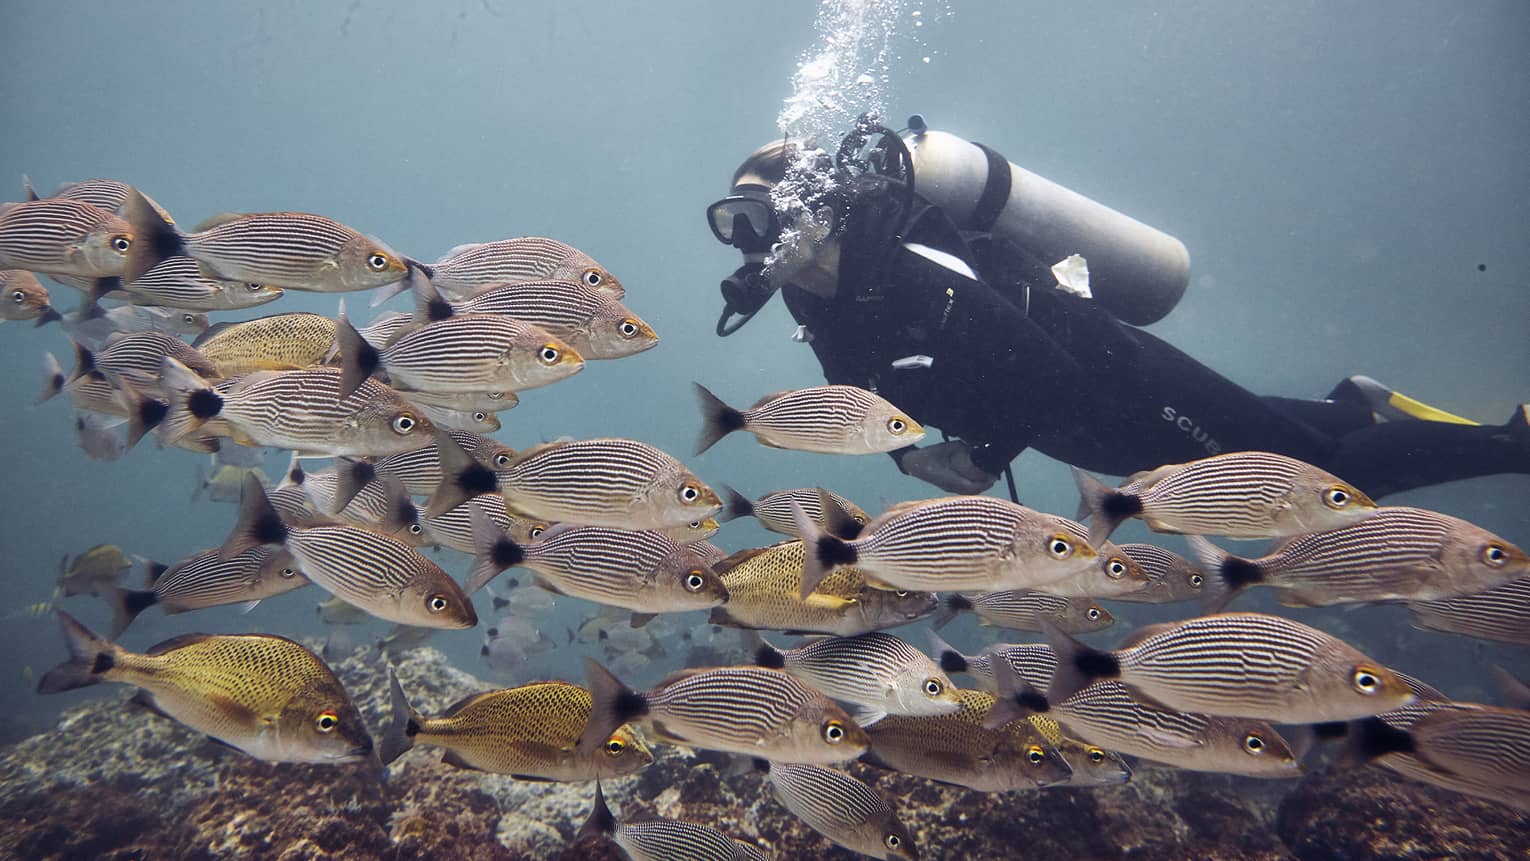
(774, 510)
(843, 809)
(832, 419)
(1501, 614)
(878, 671)
(1024, 610)
(589, 320)
(466, 269)
(63, 237)
(1171, 577)
(469, 353)
(209, 579)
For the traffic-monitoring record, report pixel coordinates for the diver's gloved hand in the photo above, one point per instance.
(948, 466)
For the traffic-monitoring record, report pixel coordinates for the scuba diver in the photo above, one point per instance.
(1003, 309)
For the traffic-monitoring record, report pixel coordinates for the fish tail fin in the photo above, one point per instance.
(1078, 665)
(359, 360)
(28, 192)
(761, 652)
(388, 291)
(1227, 575)
(493, 551)
(952, 606)
(399, 510)
(54, 379)
(144, 414)
(836, 520)
(50, 314)
(1105, 506)
(429, 306)
(91, 656)
(717, 418)
(351, 475)
(201, 482)
(84, 362)
(399, 735)
(1372, 738)
(294, 475)
(192, 401)
(946, 655)
(736, 505)
(1016, 698)
(126, 604)
(822, 553)
(258, 521)
(612, 704)
(601, 820)
(462, 477)
(154, 238)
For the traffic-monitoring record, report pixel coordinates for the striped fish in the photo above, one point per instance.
(1024, 610)
(528, 732)
(374, 572)
(1396, 554)
(1486, 744)
(1242, 494)
(209, 579)
(467, 269)
(381, 506)
(764, 592)
(472, 353)
(752, 711)
(877, 671)
(959, 543)
(295, 250)
(958, 748)
(93, 330)
(480, 406)
(1236, 665)
(139, 357)
(591, 321)
(1116, 574)
(1171, 577)
(774, 511)
(454, 528)
(827, 419)
(1501, 614)
(709, 552)
(596, 482)
(23, 297)
(109, 194)
(1092, 765)
(841, 808)
(640, 570)
(178, 282)
(385, 328)
(1107, 715)
(420, 469)
(660, 839)
(280, 342)
(298, 410)
(63, 237)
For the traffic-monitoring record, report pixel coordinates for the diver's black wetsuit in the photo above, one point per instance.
(1022, 365)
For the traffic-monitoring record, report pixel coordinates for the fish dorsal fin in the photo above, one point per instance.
(210, 331)
(213, 221)
(1144, 633)
(768, 398)
(527, 453)
(456, 707)
(460, 249)
(176, 642)
(734, 560)
(1150, 477)
(679, 675)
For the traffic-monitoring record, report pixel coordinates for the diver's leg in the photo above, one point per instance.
(1391, 457)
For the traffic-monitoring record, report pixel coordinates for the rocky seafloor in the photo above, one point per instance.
(115, 782)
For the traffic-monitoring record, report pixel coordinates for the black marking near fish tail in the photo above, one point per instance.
(1105, 506)
(351, 476)
(493, 551)
(953, 605)
(601, 820)
(90, 656)
(104, 661)
(737, 505)
(1016, 699)
(507, 553)
(836, 520)
(402, 728)
(1330, 730)
(717, 418)
(84, 364)
(359, 360)
(126, 604)
(1078, 665)
(438, 309)
(952, 661)
(1372, 738)
(462, 477)
(612, 704)
(258, 523)
(834, 553)
(154, 238)
(501, 603)
(769, 657)
(153, 570)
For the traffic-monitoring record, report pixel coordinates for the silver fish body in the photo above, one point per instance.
(1024, 610)
(877, 671)
(774, 510)
(178, 282)
(478, 353)
(589, 320)
(832, 419)
(1171, 577)
(63, 237)
(420, 469)
(467, 269)
(661, 839)
(1501, 614)
(843, 809)
(23, 297)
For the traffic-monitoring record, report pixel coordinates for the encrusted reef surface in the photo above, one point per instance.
(115, 782)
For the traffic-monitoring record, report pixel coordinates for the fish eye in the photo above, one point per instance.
(615, 746)
(689, 493)
(1035, 754)
(1060, 547)
(288, 572)
(834, 732)
(1366, 681)
(694, 581)
(592, 278)
(378, 261)
(327, 721)
(1196, 580)
(1116, 569)
(121, 243)
(403, 423)
(1096, 755)
(501, 459)
(254, 286)
(933, 687)
(414, 529)
(189, 319)
(549, 354)
(892, 841)
(1253, 744)
(897, 425)
(1093, 613)
(480, 416)
(436, 604)
(627, 329)
(901, 593)
(19, 296)
(1337, 496)
(1495, 555)
(536, 531)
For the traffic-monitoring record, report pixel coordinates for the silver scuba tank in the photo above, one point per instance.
(1136, 272)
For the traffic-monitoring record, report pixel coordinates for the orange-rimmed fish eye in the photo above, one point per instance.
(1366, 680)
(549, 355)
(627, 329)
(1096, 755)
(694, 581)
(834, 732)
(615, 746)
(501, 459)
(326, 722)
(934, 687)
(1254, 744)
(892, 841)
(1196, 580)
(592, 278)
(121, 243)
(288, 573)
(404, 423)
(378, 261)
(1495, 555)
(901, 593)
(1035, 754)
(1060, 546)
(536, 531)
(1093, 613)
(437, 604)
(1338, 496)
(689, 492)
(897, 425)
(1115, 569)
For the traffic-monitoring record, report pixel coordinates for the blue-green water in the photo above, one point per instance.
(1350, 181)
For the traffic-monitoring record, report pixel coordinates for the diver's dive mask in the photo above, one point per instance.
(745, 220)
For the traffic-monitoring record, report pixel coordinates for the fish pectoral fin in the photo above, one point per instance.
(451, 757)
(1165, 738)
(1159, 526)
(534, 778)
(1145, 699)
(146, 700)
(237, 711)
(819, 600)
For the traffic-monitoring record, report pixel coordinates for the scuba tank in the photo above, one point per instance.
(1136, 272)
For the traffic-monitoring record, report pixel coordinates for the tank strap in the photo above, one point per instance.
(996, 188)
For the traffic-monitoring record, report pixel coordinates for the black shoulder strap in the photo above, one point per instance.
(995, 194)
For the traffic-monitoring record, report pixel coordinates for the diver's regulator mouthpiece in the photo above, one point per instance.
(744, 292)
